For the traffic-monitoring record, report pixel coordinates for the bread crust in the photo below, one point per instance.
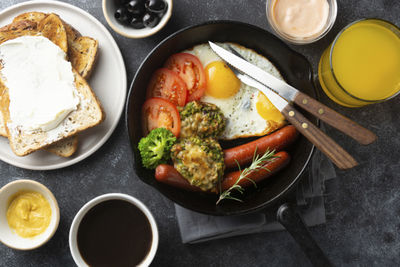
(31, 16)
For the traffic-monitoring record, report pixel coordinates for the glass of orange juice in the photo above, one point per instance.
(362, 65)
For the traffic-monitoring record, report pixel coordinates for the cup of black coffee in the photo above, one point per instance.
(113, 230)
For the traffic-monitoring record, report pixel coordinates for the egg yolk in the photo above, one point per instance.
(267, 110)
(221, 81)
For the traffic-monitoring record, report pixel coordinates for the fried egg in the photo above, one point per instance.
(247, 110)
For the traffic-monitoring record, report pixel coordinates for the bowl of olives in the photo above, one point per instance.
(137, 18)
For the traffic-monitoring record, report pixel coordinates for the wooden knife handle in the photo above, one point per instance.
(340, 122)
(330, 148)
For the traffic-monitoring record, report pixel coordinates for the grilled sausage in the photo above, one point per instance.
(167, 174)
(243, 154)
(282, 159)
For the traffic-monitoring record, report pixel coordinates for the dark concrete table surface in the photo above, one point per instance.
(363, 228)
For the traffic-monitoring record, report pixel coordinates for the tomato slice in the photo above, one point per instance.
(168, 85)
(158, 112)
(190, 69)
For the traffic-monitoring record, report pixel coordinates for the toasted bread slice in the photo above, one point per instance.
(27, 24)
(82, 50)
(88, 114)
(64, 148)
(52, 28)
(83, 54)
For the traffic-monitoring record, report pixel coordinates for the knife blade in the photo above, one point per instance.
(330, 148)
(275, 99)
(328, 115)
(283, 89)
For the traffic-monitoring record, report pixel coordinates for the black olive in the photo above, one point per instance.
(122, 15)
(136, 7)
(137, 23)
(150, 20)
(156, 6)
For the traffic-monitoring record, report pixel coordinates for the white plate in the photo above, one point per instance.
(108, 81)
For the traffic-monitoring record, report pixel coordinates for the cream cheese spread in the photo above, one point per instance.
(40, 81)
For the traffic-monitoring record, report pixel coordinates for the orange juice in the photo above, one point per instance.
(362, 65)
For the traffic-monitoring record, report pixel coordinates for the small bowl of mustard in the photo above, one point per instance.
(29, 214)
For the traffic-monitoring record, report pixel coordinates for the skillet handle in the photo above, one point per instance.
(294, 224)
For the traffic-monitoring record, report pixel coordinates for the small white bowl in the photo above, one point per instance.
(73, 232)
(109, 7)
(7, 235)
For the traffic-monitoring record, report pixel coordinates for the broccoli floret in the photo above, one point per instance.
(155, 147)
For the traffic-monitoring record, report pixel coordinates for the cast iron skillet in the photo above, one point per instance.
(294, 68)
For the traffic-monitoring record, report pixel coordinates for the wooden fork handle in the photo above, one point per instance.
(330, 148)
(340, 122)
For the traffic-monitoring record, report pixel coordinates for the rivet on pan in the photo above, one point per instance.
(304, 125)
(291, 113)
(305, 101)
(321, 111)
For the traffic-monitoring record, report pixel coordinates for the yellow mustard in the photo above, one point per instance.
(28, 213)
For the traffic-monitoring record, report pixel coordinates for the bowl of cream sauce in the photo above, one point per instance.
(301, 21)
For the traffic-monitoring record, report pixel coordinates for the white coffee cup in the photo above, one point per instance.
(73, 233)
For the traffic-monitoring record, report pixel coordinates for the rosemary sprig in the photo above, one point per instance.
(256, 164)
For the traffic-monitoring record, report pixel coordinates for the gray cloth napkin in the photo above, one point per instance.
(311, 196)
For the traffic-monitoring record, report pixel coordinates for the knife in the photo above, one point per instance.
(319, 110)
(330, 148)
